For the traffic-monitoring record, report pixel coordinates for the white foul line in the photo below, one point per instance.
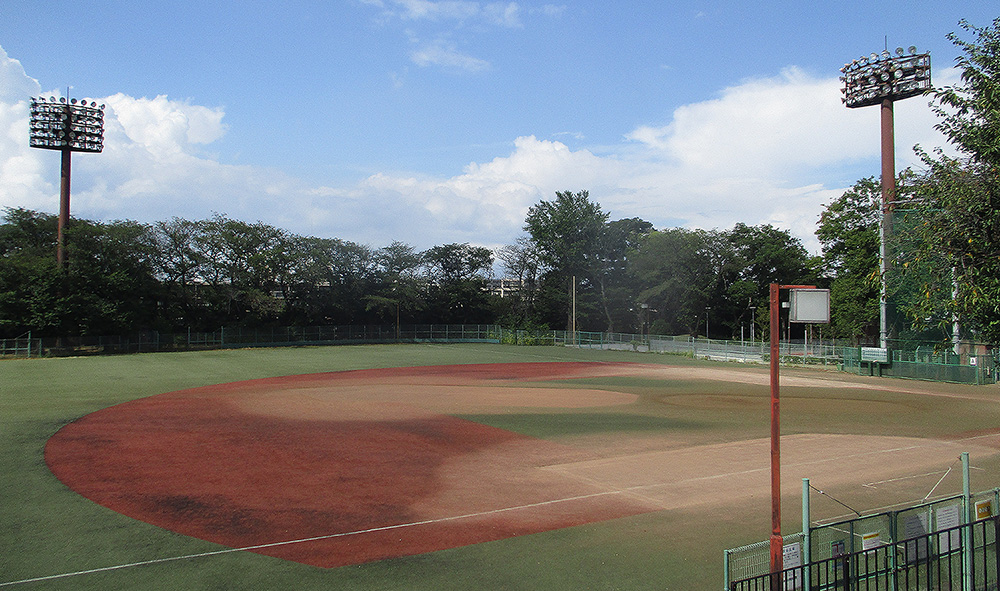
(312, 539)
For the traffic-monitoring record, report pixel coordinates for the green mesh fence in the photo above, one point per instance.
(832, 540)
(974, 364)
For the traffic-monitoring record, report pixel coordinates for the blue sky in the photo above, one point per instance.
(432, 122)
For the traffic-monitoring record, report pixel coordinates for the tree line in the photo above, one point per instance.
(124, 276)
(574, 267)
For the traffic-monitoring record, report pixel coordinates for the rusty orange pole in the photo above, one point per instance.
(777, 558)
(777, 546)
(64, 179)
(888, 196)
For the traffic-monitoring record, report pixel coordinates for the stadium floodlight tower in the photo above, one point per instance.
(67, 125)
(881, 79)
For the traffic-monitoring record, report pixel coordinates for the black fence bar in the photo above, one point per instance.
(962, 557)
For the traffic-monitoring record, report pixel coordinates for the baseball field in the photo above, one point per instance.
(445, 466)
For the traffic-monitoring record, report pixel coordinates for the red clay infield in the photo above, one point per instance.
(365, 461)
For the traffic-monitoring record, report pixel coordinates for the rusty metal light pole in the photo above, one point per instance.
(807, 305)
(776, 542)
(68, 126)
(881, 79)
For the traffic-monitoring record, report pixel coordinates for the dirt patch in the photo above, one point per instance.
(365, 471)
(411, 399)
(731, 473)
(365, 465)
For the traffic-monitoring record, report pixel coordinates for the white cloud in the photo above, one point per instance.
(761, 127)
(504, 14)
(449, 18)
(447, 9)
(22, 177)
(491, 199)
(443, 53)
(764, 151)
(15, 84)
(552, 9)
(166, 126)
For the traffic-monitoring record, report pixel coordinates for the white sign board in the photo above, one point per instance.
(872, 540)
(877, 354)
(809, 306)
(916, 526)
(791, 557)
(949, 517)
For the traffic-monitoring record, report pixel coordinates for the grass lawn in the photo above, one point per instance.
(49, 530)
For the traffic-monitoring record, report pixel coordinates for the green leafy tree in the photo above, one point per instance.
(112, 286)
(970, 111)
(179, 269)
(108, 285)
(960, 198)
(30, 283)
(619, 241)
(849, 234)
(331, 278)
(457, 275)
(245, 265)
(400, 282)
(710, 280)
(519, 262)
(567, 234)
(760, 255)
(676, 271)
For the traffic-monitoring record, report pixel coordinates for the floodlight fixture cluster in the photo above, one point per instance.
(873, 78)
(58, 124)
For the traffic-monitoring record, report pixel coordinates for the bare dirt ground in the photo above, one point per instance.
(368, 464)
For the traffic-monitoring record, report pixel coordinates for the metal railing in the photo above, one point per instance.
(963, 557)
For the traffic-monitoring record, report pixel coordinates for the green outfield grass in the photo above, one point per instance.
(47, 529)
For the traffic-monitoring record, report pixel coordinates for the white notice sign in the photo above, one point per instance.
(872, 540)
(876, 354)
(791, 558)
(947, 518)
(915, 526)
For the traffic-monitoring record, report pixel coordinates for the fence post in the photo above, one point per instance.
(968, 541)
(806, 534)
(725, 570)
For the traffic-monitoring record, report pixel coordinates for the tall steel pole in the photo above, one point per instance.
(777, 543)
(777, 558)
(64, 181)
(880, 79)
(69, 126)
(888, 196)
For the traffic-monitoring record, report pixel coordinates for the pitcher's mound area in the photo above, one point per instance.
(342, 468)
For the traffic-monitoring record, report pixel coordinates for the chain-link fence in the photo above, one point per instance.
(973, 365)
